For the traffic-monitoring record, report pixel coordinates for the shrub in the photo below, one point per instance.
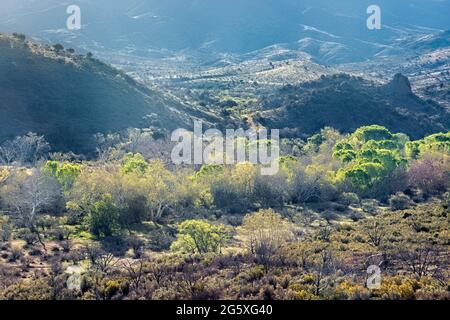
(431, 174)
(229, 197)
(329, 215)
(399, 201)
(370, 206)
(356, 216)
(134, 163)
(103, 218)
(58, 47)
(161, 239)
(446, 202)
(30, 238)
(5, 232)
(270, 191)
(65, 173)
(199, 236)
(349, 198)
(15, 254)
(19, 36)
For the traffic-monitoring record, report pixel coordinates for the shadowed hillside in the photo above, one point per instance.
(346, 103)
(69, 97)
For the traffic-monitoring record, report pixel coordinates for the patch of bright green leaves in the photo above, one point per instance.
(369, 155)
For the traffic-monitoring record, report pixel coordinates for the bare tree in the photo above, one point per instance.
(142, 141)
(159, 273)
(8, 153)
(115, 146)
(305, 188)
(323, 267)
(108, 147)
(135, 271)
(4, 175)
(29, 194)
(431, 174)
(26, 149)
(100, 259)
(421, 260)
(376, 232)
(266, 233)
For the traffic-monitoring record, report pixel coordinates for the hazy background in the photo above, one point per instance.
(228, 25)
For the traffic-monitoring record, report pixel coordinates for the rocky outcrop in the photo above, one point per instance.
(400, 85)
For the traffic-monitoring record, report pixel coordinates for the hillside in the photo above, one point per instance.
(69, 97)
(346, 103)
(426, 62)
(330, 32)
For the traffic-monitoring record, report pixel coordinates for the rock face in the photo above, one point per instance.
(400, 85)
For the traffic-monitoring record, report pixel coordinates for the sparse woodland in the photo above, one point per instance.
(130, 225)
(93, 207)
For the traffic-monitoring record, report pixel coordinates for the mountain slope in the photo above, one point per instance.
(425, 61)
(346, 103)
(144, 26)
(68, 97)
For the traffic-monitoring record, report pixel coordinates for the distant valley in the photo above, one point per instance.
(328, 69)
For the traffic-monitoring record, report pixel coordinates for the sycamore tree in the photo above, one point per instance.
(134, 163)
(369, 155)
(97, 198)
(103, 217)
(436, 143)
(155, 183)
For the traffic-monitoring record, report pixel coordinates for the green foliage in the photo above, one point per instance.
(199, 236)
(316, 247)
(208, 170)
(435, 143)
(344, 152)
(326, 135)
(370, 154)
(134, 163)
(375, 132)
(103, 217)
(65, 173)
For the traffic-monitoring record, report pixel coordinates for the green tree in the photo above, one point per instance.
(134, 163)
(375, 132)
(65, 173)
(199, 236)
(370, 155)
(103, 217)
(439, 143)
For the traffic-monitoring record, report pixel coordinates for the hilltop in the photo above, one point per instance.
(346, 102)
(69, 97)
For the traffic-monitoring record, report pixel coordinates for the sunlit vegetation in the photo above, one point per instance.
(134, 226)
